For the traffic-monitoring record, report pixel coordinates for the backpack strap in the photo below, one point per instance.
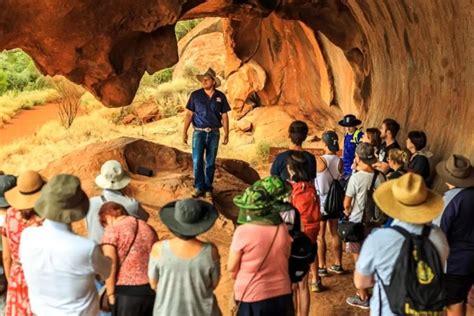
(327, 166)
(102, 197)
(401, 231)
(426, 231)
(372, 185)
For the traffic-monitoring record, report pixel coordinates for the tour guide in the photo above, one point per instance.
(207, 109)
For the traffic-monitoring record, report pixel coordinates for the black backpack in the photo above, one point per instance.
(416, 283)
(334, 204)
(373, 216)
(303, 252)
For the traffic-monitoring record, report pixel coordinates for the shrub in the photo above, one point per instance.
(183, 27)
(70, 100)
(163, 76)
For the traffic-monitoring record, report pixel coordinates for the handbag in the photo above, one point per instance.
(104, 304)
(351, 231)
(235, 308)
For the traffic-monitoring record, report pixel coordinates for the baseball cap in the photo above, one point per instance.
(331, 139)
(366, 153)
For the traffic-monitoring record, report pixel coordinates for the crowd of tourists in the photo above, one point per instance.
(413, 249)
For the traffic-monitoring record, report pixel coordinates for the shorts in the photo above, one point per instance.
(353, 247)
(457, 288)
(312, 233)
(325, 217)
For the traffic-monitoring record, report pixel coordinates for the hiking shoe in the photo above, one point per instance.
(317, 286)
(322, 272)
(358, 302)
(336, 268)
(208, 195)
(197, 193)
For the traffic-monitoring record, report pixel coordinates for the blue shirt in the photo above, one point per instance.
(350, 143)
(380, 252)
(279, 165)
(457, 223)
(207, 111)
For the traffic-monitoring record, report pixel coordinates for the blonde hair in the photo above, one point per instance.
(398, 156)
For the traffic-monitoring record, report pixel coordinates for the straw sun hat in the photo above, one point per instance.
(409, 200)
(27, 190)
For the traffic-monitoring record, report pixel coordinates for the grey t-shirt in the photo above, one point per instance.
(185, 286)
(379, 253)
(357, 188)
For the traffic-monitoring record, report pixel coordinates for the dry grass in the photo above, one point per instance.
(12, 103)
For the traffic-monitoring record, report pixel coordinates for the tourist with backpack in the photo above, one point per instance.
(331, 196)
(357, 204)
(457, 222)
(404, 263)
(259, 256)
(305, 199)
(352, 137)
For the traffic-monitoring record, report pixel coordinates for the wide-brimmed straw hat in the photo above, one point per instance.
(408, 199)
(62, 200)
(27, 190)
(350, 120)
(112, 176)
(7, 182)
(210, 73)
(456, 170)
(188, 217)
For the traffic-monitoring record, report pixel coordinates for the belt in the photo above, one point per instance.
(207, 129)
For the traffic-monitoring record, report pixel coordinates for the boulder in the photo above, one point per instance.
(244, 125)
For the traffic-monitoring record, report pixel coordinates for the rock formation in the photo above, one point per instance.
(410, 60)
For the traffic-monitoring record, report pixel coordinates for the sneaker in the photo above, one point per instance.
(208, 195)
(197, 193)
(322, 272)
(317, 286)
(336, 268)
(357, 302)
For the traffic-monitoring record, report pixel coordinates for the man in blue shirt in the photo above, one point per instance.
(457, 222)
(207, 110)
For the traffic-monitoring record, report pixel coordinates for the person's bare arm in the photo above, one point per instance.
(111, 252)
(7, 258)
(363, 281)
(347, 205)
(187, 122)
(382, 167)
(155, 253)
(320, 164)
(225, 124)
(233, 263)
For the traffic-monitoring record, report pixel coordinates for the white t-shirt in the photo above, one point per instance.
(60, 269)
(357, 187)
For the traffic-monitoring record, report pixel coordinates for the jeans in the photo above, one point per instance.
(204, 144)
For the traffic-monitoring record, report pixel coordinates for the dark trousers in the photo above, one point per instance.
(280, 305)
(204, 150)
(133, 300)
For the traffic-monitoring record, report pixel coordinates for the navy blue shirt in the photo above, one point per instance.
(279, 165)
(457, 223)
(207, 111)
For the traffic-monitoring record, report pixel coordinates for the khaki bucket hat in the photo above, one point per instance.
(408, 199)
(27, 190)
(456, 170)
(210, 73)
(112, 176)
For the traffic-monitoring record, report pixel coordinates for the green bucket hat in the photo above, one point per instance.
(278, 189)
(257, 206)
(62, 200)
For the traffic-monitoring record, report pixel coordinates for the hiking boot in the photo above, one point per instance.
(197, 193)
(208, 195)
(358, 302)
(317, 286)
(322, 272)
(336, 268)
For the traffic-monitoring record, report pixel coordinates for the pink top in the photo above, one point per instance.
(273, 279)
(135, 267)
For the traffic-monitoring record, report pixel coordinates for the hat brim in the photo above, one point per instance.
(217, 80)
(272, 218)
(189, 230)
(66, 215)
(457, 182)
(419, 214)
(241, 204)
(333, 147)
(21, 201)
(116, 185)
(370, 162)
(354, 123)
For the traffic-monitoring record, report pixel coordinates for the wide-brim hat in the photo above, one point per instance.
(188, 217)
(456, 170)
(210, 73)
(408, 199)
(265, 216)
(278, 189)
(7, 182)
(112, 176)
(27, 190)
(350, 120)
(62, 200)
